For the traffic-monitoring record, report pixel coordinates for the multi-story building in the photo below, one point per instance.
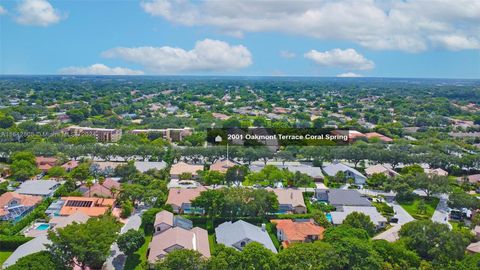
(101, 134)
(170, 134)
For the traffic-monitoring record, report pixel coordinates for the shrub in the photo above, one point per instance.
(12, 242)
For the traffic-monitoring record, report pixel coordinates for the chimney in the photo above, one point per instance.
(264, 227)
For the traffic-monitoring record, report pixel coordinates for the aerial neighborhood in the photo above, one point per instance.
(120, 174)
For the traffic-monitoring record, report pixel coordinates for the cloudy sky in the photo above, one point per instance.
(344, 38)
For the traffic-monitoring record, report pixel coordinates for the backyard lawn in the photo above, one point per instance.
(139, 258)
(418, 210)
(4, 256)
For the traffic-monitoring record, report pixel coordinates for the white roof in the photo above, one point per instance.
(338, 217)
(144, 166)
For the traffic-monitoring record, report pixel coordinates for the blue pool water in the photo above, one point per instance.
(329, 216)
(43, 227)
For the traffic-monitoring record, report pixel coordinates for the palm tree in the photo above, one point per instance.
(89, 185)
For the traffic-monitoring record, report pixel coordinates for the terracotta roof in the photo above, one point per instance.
(46, 160)
(378, 135)
(298, 231)
(72, 164)
(183, 167)
(178, 196)
(194, 239)
(104, 190)
(25, 200)
(222, 165)
(96, 207)
(290, 196)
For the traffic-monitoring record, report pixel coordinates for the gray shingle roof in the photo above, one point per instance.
(229, 233)
(334, 168)
(38, 187)
(348, 197)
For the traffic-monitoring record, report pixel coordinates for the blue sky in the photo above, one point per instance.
(331, 38)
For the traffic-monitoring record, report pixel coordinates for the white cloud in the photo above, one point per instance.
(207, 55)
(287, 54)
(410, 25)
(345, 59)
(456, 42)
(349, 75)
(2, 10)
(99, 69)
(37, 12)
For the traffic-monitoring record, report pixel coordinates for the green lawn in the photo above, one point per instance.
(212, 242)
(412, 207)
(137, 260)
(4, 256)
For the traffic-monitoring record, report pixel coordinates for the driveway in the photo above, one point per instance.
(116, 261)
(391, 235)
(441, 212)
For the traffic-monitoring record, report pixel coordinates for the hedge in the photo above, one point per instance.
(10, 243)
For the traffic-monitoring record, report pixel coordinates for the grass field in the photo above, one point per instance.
(412, 207)
(137, 260)
(4, 256)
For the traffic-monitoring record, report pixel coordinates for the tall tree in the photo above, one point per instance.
(84, 245)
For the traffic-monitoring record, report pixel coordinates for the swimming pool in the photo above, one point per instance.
(329, 217)
(43, 227)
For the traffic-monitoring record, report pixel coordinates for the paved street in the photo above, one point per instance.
(441, 212)
(116, 261)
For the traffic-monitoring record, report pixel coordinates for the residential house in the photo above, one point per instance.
(39, 243)
(172, 233)
(105, 167)
(353, 135)
(14, 206)
(378, 220)
(220, 116)
(290, 200)
(472, 179)
(222, 165)
(165, 220)
(92, 207)
(437, 171)
(314, 172)
(297, 231)
(381, 137)
(474, 247)
(335, 167)
(45, 163)
(108, 189)
(341, 197)
(70, 165)
(238, 234)
(379, 168)
(43, 188)
(181, 167)
(180, 198)
(101, 134)
(143, 166)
